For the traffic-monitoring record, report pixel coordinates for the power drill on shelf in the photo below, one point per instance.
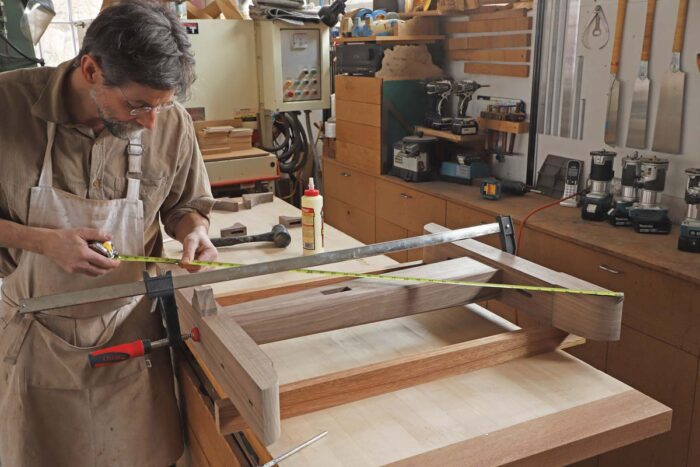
(465, 89)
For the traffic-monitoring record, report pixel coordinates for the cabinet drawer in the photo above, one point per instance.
(358, 89)
(349, 219)
(349, 186)
(386, 231)
(458, 216)
(362, 158)
(656, 304)
(408, 208)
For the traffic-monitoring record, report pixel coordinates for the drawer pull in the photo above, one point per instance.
(609, 269)
(406, 196)
(344, 174)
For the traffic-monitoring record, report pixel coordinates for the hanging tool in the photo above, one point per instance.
(614, 92)
(596, 20)
(637, 131)
(503, 226)
(669, 118)
(293, 451)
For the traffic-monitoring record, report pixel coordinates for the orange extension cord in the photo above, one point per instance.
(535, 211)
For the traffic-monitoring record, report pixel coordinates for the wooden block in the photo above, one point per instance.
(519, 71)
(491, 25)
(342, 387)
(358, 112)
(203, 301)
(226, 204)
(244, 371)
(501, 41)
(480, 15)
(498, 55)
(361, 135)
(358, 302)
(253, 199)
(236, 230)
(358, 89)
(229, 9)
(290, 222)
(228, 419)
(504, 126)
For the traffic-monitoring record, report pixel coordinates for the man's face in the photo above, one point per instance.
(128, 109)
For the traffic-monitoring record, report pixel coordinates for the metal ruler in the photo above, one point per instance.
(233, 271)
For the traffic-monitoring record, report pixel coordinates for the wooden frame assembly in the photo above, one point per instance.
(231, 335)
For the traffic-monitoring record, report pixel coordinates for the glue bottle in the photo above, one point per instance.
(312, 220)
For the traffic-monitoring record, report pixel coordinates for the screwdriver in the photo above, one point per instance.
(137, 348)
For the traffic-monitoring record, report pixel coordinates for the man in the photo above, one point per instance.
(94, 150)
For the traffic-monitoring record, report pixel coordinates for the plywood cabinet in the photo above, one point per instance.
(349, 185)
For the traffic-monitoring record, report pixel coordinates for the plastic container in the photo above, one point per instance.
(312, 220)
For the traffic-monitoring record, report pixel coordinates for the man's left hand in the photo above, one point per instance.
(197, 246)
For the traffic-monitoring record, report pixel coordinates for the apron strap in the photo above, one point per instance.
(134, 151)
(46, 177)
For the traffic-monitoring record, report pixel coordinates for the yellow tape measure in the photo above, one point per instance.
(532, 288)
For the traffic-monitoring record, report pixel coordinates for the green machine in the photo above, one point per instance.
(22, 23)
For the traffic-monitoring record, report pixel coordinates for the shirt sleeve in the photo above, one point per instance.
(190, 191)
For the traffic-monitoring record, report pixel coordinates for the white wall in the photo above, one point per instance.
(596, 80)
(514, 167)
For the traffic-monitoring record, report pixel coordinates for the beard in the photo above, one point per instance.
(122, 130)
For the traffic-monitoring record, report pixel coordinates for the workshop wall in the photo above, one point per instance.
(595, 87)
(514, 167)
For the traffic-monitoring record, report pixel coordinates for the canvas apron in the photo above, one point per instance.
(54, 409)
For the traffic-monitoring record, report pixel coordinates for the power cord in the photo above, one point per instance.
(521, 230)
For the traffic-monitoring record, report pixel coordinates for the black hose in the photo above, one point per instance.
(292, 153)
(31, 59)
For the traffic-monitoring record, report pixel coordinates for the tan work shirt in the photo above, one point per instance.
(174, 181)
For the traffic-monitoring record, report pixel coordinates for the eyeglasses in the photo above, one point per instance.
(138, 110)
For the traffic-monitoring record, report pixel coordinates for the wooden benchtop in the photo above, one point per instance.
(657, 252)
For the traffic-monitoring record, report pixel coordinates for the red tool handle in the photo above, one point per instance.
(118, 353)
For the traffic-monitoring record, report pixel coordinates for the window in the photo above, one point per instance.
(62, 38)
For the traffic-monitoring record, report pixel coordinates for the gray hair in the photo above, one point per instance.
(142, 42)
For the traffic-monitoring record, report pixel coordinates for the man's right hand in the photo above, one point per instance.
(69, 249)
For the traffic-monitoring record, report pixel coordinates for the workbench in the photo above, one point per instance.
(549, 409)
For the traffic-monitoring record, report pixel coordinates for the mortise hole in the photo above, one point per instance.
(338, 290)
(524, 292)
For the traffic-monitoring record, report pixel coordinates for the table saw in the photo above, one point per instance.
(398, 374)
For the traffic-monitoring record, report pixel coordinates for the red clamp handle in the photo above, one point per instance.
(118, 353)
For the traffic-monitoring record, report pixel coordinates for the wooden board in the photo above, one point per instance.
(501, 41)
(358, 89)
(519, 71)
(593, 317)
(490, 25)
(362, 135)
(506, 55)
(504, 125)
(358, 112)
(356, 302)
(487, 15)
